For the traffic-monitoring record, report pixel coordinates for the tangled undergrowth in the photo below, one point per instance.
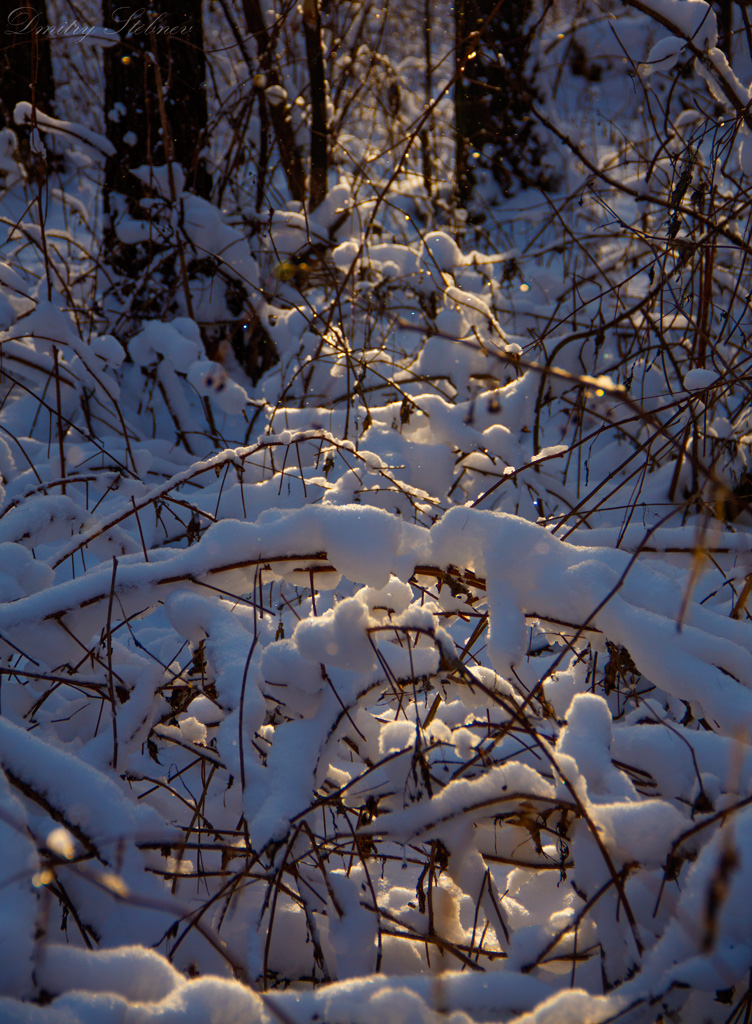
(374, 626)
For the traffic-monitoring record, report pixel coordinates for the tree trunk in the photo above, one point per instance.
(493, 95)
(725, 14)
(155, 115)
(25, 63)
(425, 134)
(161, 52)
(279, 110)
(319, 141)
(462, 119)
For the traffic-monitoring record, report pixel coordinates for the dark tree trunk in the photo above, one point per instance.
(494, 93)
(130, 109)
(725, 14)
(462, 114)
(319, 141)
(155, 115)
(155, 94)
(425, 134)
(279, 110)
(25, 63)
(183, 60)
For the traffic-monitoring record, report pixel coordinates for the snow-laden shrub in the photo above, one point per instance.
(413, 682)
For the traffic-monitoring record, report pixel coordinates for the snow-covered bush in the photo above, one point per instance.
(412, 680)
